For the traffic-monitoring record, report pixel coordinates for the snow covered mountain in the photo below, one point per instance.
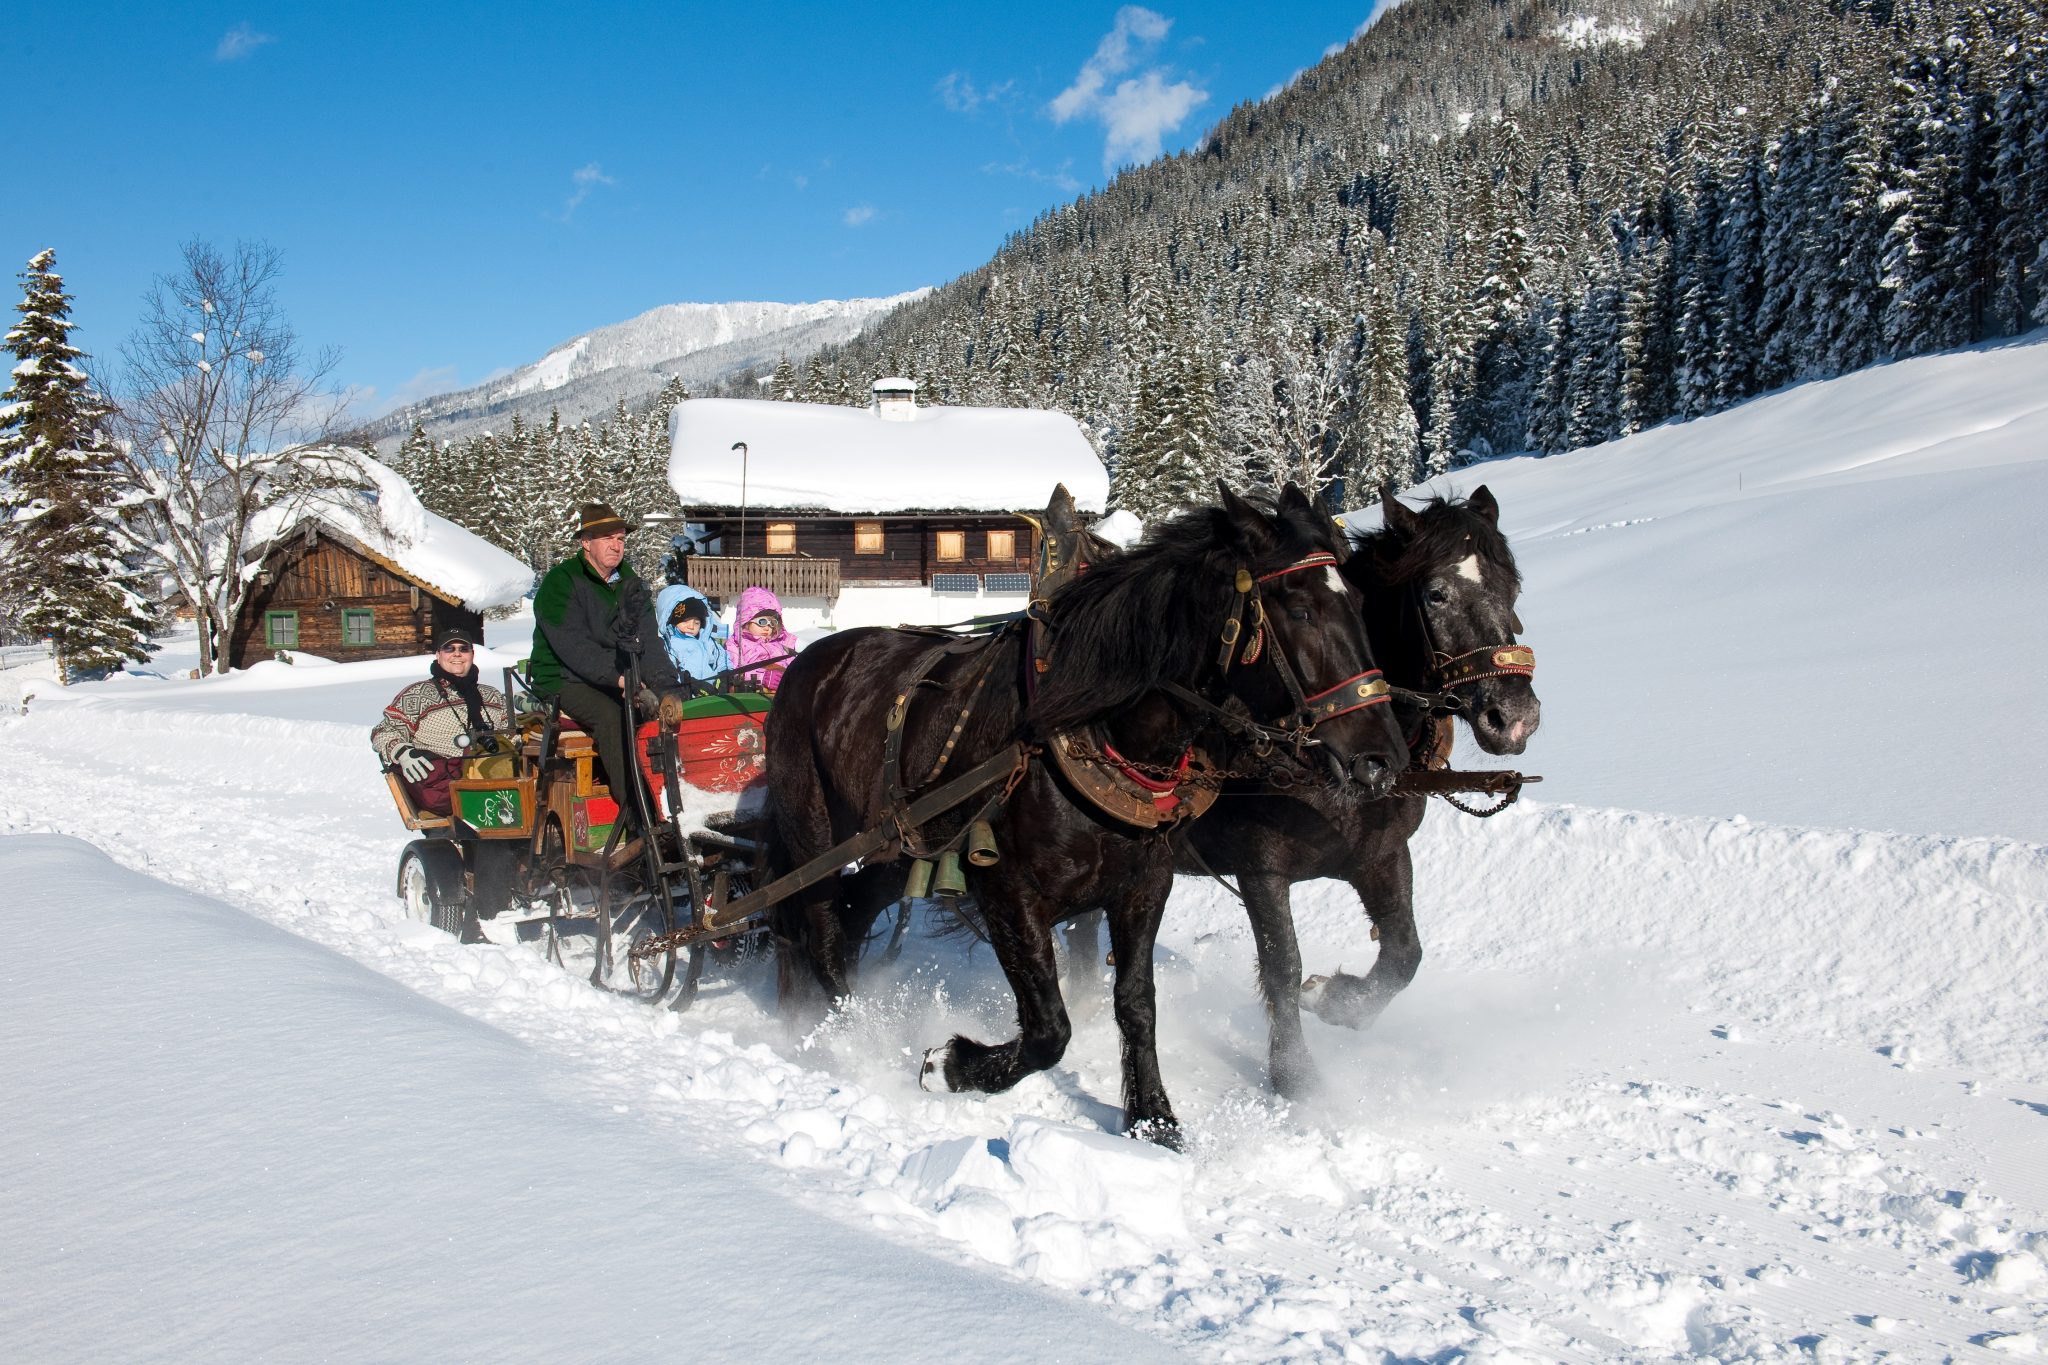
(586, 376)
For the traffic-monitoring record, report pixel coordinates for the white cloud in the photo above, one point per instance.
(1138, 112)
(239, 42)
(859, 215)
(958, 92)
(1112, 57)
(585, 179)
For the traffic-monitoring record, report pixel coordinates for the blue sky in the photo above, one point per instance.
(457, 188)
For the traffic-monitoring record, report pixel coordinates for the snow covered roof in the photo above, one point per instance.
(391, 523)
(821, 456)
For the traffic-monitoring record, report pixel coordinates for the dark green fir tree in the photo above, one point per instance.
(62, 570)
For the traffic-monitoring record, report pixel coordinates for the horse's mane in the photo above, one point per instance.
(1152, 614)
(1450, 530)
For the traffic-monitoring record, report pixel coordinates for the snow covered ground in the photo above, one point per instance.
(1733, 1047)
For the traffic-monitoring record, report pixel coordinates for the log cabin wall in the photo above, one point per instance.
(909, 550)
(327, 587)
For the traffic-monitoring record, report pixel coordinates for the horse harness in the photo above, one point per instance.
(908, 840)
(1163, 796)
(1360, 690)
(1430, 743)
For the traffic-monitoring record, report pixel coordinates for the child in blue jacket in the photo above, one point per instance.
(693, 636)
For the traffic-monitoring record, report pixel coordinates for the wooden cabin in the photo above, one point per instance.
(888, 514)
(322, 592)
(365, 573)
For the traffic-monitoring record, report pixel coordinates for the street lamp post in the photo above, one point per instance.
(741, 447)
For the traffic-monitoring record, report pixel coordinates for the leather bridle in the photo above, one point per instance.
(1446, 672)
(1246, 626)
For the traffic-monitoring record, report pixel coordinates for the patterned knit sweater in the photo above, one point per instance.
(430, 716)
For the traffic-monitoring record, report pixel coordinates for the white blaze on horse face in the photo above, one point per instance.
(1334, 579)
(1468, 567)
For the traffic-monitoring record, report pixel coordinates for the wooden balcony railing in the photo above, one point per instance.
(723, 576)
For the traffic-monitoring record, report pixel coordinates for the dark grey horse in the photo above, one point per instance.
(1439, 583)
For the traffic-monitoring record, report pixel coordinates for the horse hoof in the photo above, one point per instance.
(1313, 992)
(932, 1075)
(1164, 1132)
(1341, 999)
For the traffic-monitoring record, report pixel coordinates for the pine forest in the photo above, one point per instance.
(1477, 228)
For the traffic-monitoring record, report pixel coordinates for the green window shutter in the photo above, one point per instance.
(281, 629)
(359, 627)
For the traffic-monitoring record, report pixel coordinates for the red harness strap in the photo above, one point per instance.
(1319, 559)
(1164, 792)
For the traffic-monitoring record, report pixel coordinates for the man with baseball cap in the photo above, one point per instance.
(592, 617)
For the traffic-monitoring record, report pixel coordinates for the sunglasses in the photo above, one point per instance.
(458, 649)
(766, 619)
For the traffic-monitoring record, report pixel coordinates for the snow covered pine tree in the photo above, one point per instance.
(61, 569)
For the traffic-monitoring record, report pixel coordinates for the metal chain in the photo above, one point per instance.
(1507, 798)
(1205, 777)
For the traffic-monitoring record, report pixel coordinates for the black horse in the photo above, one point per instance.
(1439, 586)
(1135, 664)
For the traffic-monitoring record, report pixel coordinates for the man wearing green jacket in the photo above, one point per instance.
(592, 616)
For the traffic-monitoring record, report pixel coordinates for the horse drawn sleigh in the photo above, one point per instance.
(1208, 701)
(535, 843)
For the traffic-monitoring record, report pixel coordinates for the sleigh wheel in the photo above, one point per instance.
(624, 922)
(429, 881)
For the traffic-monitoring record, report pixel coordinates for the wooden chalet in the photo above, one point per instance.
(324, 593)
(890, 513)
(368, 576)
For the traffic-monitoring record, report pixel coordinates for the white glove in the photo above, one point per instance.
(414, 765)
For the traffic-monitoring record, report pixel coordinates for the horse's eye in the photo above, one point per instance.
(1438, 596)
(1298, 613)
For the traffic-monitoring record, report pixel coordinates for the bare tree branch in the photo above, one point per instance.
(220, 413)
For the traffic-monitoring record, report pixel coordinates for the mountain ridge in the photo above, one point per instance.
(589, 374)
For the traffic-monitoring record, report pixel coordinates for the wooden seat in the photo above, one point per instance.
(571, 742)
(414, 817)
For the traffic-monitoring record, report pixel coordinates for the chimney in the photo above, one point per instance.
(895, 400)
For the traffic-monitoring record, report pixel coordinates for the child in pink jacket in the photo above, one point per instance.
(758, 634)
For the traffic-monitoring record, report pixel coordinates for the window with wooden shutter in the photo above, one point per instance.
(781, 537)
(1002, 544)
(867, 537)
(952, 545)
